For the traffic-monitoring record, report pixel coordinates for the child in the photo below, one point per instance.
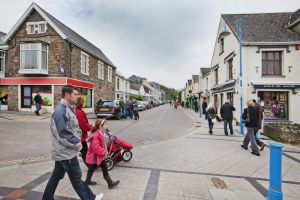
(97, 152)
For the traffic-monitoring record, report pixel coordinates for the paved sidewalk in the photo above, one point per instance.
(194, 166)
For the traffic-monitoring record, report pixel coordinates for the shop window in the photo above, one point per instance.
(275, 104)
(271, 63)
(3, 94)
(45, 92)
(87, 96)
(34, 56)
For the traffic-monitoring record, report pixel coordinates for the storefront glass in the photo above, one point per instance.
(45, 92)
(87, 96)
(3, 94)
(275, 104)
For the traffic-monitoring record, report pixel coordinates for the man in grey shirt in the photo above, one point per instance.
(65, 135)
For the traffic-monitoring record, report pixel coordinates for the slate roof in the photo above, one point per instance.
(75, 38)
(195, 78)
(263, 27)
(204, 71)
(295, 18)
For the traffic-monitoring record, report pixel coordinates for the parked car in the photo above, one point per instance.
(141, 106)
(108, 108)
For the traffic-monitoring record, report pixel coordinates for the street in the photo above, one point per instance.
(172, 159)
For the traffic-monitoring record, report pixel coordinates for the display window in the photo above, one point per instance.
(3, 94)
(28, 93)
(275, 104)
(87, 96)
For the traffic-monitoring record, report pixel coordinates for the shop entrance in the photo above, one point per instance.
(275, 104)
(26, 96)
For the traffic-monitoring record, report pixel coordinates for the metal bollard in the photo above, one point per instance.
(275, 192)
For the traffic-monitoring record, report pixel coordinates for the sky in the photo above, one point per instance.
(166, 41)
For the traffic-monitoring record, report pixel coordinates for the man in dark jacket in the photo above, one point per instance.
(38, 102)
(251, 117)
(227, 115)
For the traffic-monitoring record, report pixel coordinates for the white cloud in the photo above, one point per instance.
(165, 41)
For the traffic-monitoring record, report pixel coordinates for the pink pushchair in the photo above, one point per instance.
(118, 150)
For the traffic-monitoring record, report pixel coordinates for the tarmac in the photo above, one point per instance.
(190, 167)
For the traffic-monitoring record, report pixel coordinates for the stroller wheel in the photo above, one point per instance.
(127, 155)
(110, 163)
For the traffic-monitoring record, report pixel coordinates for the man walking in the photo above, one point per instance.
(121, 105)
(65, 134)
(227, 115)
(38, 102)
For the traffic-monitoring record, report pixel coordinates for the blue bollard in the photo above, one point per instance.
(275, 192)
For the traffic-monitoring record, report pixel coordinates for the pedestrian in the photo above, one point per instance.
(204, 106)
(97, 153)
(210, 113)
(250, 117)
(65, 134)
(135, 109)
(84, 125)
(38, 103)
(260, 124)
(122, 106)
(175, 104)
(196, 106)
(227, 114)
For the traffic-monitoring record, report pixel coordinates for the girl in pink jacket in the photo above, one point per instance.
(97, 152)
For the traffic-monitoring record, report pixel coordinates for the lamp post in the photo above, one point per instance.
(240, 32)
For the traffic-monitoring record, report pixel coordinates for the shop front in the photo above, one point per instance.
(50, 91)
(276, 100)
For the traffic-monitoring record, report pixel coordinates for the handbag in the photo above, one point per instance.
(247, 120)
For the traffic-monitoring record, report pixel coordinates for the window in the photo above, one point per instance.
(221, 41)
(87, 96)
(271, 63)
(230, 76)
(230, 97)
(118, 83)
(34, 56)
(109, 70)
(84, 63)
(216, 77)
(100, 70)
(2, 61)
(39, 27)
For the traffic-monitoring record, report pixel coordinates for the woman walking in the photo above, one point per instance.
(251, 117)
(84, 125)
(210, 114)
(97, 152)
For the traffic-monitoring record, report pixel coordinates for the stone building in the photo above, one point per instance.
(43, 55)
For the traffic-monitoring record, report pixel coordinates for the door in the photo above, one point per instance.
(26, 96)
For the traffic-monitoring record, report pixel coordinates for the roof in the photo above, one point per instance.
(64, 31)
(204, 71)
(295, 18)
(263, 27)
(135, 86)
(195, 78)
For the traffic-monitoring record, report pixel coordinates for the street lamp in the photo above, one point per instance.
(240, 32)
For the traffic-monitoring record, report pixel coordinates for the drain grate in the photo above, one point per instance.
(219, 183)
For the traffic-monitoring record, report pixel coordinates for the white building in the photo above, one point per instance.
(122, 86)
(270, 63)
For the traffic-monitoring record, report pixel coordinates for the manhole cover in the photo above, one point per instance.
(219, 183)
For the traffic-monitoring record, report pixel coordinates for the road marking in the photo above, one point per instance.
(152, 186)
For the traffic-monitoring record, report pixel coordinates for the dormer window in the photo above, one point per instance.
(36, 27)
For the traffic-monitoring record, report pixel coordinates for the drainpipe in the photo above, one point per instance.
(240, 31)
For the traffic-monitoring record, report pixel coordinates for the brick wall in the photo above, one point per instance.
(12, 97)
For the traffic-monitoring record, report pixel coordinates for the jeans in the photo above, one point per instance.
(38, 107)
(229, 122)
(73, 170)
(250, 137)
(210, 124)
(258, 141)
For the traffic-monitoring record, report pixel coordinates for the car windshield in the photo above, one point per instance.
(107, 103)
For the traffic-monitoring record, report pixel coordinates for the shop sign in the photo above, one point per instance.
(270, 86)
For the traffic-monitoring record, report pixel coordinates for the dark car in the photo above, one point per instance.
(108, 109)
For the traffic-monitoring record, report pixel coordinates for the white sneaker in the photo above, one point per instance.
(99, 196)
